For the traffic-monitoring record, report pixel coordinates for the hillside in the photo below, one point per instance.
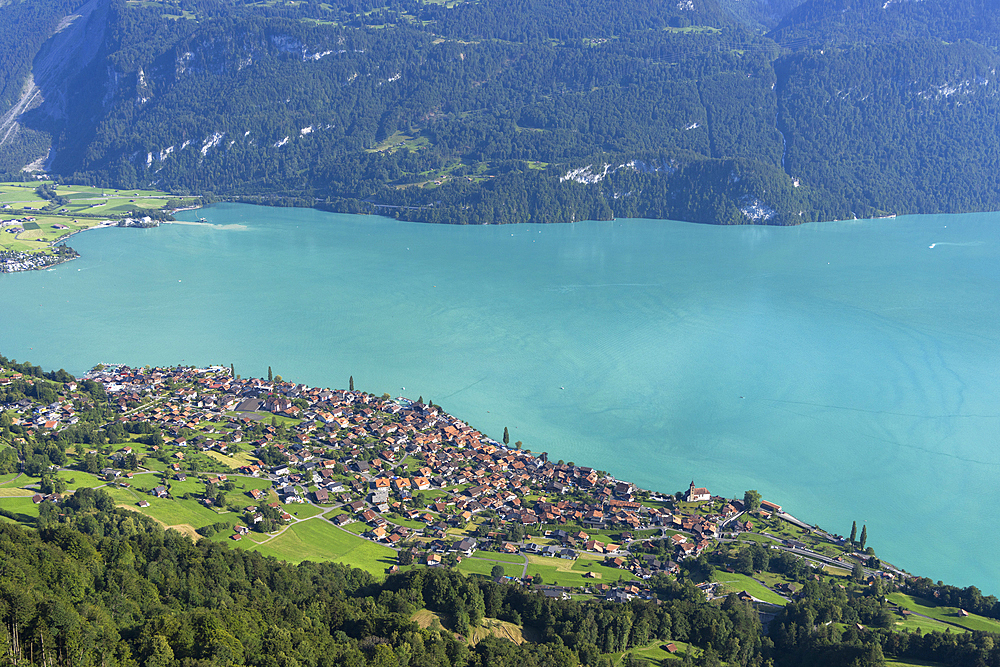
(497, 112)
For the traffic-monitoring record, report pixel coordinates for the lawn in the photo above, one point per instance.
(610, 535)
(736, 583)
(411, 464)
(303, 510)
(409, 523)
(429, 496)
(318, 540)
(356, 527)
(945, 614)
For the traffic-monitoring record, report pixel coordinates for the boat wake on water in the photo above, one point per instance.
(966, 244)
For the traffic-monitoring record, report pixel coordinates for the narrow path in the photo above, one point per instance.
(14, 479)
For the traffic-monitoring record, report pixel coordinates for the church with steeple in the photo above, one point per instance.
(697, 495)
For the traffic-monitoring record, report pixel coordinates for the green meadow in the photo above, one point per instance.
(317, 540)
(564, 572)
(945, 614)
(736, 583)
(485, 567)
(86, 208)
(23, 508)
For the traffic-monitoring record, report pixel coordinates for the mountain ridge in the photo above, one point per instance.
(479, 112)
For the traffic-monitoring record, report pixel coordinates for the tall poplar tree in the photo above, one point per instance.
(854, 531)
(351, 383)
(506, 436)
(864, 535)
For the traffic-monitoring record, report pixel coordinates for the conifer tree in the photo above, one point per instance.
(351, 383)
(864, 535)
(506, 436)
(854, 531)
(269, 376)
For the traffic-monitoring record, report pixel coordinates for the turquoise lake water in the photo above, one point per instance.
(849, 371)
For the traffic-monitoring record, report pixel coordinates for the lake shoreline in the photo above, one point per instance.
(654, 328)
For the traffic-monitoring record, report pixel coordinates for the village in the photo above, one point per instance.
(405, 475)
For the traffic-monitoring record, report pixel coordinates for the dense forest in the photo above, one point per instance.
(775, 112)
(95, 585)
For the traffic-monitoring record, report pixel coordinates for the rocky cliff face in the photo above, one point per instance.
(30, 129)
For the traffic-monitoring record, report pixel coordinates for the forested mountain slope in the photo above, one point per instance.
(534, 110)
(93, 584)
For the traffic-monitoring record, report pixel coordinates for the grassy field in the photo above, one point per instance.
(506, 558)
(409, 523)
(168, 512)
(192, 485)
(16, 493)
(914, 623)
(485, 567)
(836, 571)
(563, 572)
(911, 663)
(233, 462)
(303, 510)
(146, 481)
(945, 614)
(24, 507)
(318, 540)
(655, 654)
(400, 141)
(736, 583)
(40, 239)
(98, 204)
(80, 479)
